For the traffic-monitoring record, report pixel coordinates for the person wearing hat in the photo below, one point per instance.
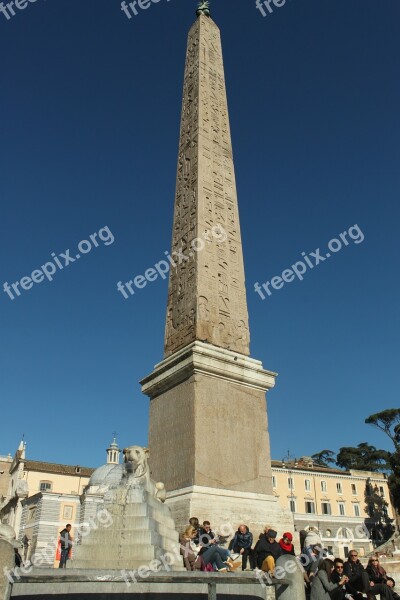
(286, 544)
(267, 550)
(312, 538)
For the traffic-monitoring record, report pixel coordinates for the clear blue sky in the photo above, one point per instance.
(90, 106)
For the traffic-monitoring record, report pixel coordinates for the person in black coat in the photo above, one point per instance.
(390, 582)
(18, 558)
(359, 580)
(241, 543)
(267, 550)
(66, 542)
(336, 577)
(376, 573)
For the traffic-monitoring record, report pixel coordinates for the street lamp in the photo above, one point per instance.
(289, 462)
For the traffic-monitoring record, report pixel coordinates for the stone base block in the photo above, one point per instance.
(139, 530)
(52, 583)
(226, 510)
(203, 400)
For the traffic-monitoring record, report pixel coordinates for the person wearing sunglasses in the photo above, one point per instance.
(376, 573)
(359, 580)
(337, 574)
(322, 586)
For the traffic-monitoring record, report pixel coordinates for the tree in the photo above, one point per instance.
(378, 523)
(363, 458)
(388, 421)
(324, 458)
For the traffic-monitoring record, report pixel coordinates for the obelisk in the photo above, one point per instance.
(208, 431)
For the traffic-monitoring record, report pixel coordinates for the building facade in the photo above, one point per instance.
(41, 498)
(349, 509)
(5, 464)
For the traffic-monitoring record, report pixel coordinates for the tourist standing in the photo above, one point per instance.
(66, 542)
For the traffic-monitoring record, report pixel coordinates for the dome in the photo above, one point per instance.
(114, 476)
(108, 474)
(100, 474)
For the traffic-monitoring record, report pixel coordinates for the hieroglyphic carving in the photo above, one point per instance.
(206, 298)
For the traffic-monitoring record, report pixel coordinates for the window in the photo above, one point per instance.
(341, 507)
(310, 507)
(344, 534)
(323, 486)
(290, 483)
(292, 506)
(274, 481)
(326, 508)
(356, 510)
(45, 486)
(77, 470)
(307, 485)
(339, 488)
(354, 489)
(382, 490)
(67, 513)
(32, 514)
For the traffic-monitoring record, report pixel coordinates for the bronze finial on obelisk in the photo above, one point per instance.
(203, 9)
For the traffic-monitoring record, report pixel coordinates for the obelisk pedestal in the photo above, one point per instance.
(208, 423)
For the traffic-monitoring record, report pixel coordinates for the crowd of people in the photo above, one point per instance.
(202, 549)
(325, 577)
(339, 579)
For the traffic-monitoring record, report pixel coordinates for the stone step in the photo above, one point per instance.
(158, 511)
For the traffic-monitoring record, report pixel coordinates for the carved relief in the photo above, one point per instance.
(206, 298)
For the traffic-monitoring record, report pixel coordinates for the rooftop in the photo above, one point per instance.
(310, 466)
(46, 467)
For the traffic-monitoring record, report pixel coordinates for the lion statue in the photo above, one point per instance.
(136, 465)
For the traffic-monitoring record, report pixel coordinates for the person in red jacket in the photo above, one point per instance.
(286, 544)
